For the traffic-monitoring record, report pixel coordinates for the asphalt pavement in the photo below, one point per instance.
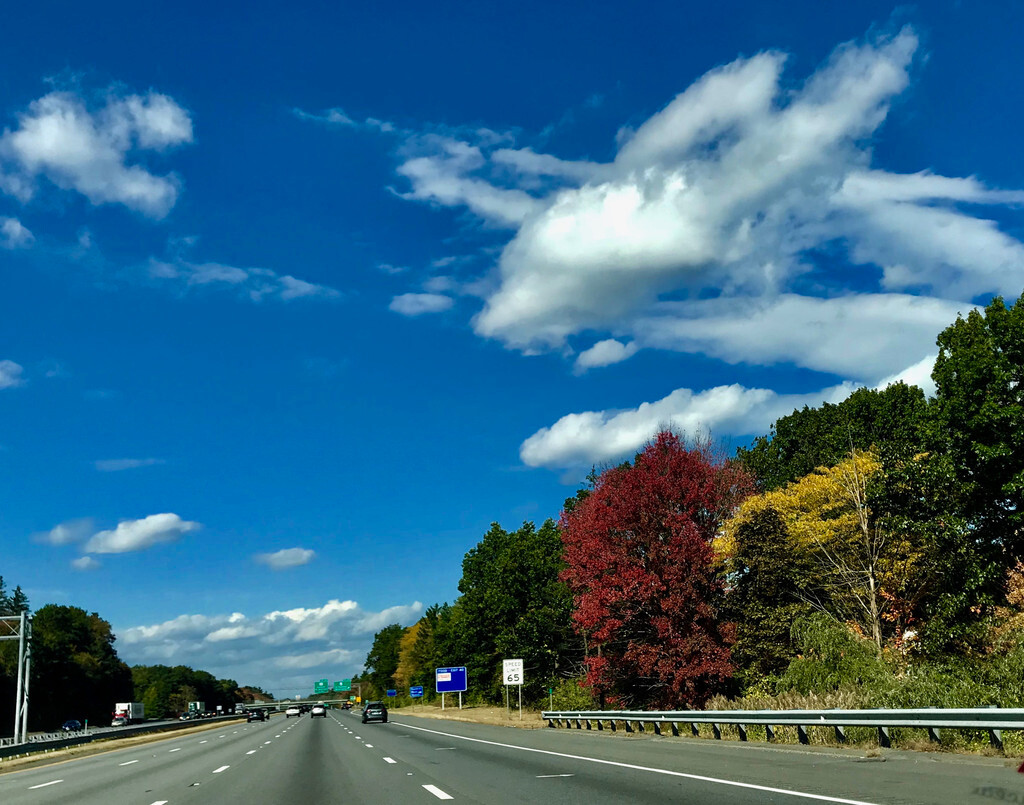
(418, 761)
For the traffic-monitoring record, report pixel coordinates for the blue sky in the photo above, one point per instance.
(294, 303)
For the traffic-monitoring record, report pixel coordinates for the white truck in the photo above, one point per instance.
(126, 713)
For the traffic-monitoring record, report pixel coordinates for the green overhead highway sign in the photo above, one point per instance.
(321, 686)
(346, 684)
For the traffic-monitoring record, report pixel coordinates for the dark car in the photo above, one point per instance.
(256, 715)
(71, 725)
(346, 706)
(375, 711)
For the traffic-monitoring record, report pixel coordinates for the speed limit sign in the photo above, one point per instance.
(512, 670)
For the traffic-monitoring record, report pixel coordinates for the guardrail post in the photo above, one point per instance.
(995, 737)
(801, 734)
(769, 733)
(600, 726)
(743, 731)
(675, 730)
(883, 737)
(640, 726)
(551, 723)
(717, 730)
(657, 728)
(629, 727)
(611, 723)
(588, 723)
(840, 735)
(568, 724)
(579, 723)
(695, 729)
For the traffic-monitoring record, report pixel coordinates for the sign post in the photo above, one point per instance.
(450, 680)
(512, 672)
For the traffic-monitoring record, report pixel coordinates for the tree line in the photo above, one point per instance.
(872, 545)
(76, 672)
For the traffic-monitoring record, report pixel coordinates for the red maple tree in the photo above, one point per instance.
(640, 566)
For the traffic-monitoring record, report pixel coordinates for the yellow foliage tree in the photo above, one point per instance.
(406, 665)
(863, 570)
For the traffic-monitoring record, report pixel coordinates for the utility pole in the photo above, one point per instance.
(19, 627)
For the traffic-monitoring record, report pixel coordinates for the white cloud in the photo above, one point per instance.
(725, 199)
(118, 464)
(604, 353)
(276, 650)
(14, 234)
(85, 563)
(286, 558)
(416, 304)
(136, 535)
(255, 284)
(851, 336)
(596, 437)
(10, 374)
(95, 149)
(67, 533)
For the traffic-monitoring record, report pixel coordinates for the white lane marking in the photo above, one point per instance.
(129, 763)
(390, 760)
(175, 750)
(437, 792)
(160, 802)
(43, 785)
(222, 768)
(251, 752)
(266, 742)
(443, 748)
(225, 735)
(542, 776)
(369, 746)
(652, 769)
(202, 742)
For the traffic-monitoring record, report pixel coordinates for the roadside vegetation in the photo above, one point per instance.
(864, 553)
(76, 672)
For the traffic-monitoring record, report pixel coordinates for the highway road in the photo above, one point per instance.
(417, 761)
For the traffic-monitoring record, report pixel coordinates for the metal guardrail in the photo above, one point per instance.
(992, 719)
(44, 742)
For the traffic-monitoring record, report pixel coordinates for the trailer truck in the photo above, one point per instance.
(126, 713)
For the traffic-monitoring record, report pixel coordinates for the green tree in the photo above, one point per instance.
(382, 661)
(75, 670)
(979, 418)
(893, 421)
(768, 577)
(514, 605)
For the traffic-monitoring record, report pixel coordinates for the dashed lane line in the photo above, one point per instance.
(251, 752)
(437, 792)
(160, 802)
(390, 760)
(369, 746)
(43, 785)
(129, 763)
(222, 768)
(175, 750)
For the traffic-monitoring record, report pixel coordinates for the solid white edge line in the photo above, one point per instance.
(222, 768)
(43, 785)
(669, 772)
(437, 792)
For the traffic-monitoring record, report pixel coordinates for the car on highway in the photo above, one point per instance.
(71, 725)
(292, 711)
(119, 721)
(318, 710)
(346, 706)
(256, 715)
(375, 711)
